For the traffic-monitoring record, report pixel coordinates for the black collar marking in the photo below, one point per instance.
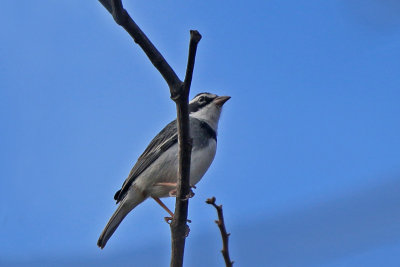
(210, 131)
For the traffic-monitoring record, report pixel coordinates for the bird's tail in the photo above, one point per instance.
(131, 200)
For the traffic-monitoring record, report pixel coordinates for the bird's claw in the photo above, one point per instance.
(172, 193)
(190, 195)
(169, 220)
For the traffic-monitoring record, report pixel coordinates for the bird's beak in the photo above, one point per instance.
(220, 101)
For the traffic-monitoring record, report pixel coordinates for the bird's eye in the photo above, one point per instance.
(201, 99)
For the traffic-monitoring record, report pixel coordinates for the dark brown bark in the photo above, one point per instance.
(179, 227)
(180, 94)
(225, 236)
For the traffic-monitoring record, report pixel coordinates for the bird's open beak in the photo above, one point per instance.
(220, 101)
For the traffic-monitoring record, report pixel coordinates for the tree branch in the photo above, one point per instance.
(195, 38)
(123, 19)
(179, 228)
(180, 94)
(225, 236)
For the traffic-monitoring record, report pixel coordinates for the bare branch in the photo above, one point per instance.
(180, 94)
(179, 228)
(123, 19)
(225, 236)
(195, 38)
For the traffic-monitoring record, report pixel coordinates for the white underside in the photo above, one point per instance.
(165, 170)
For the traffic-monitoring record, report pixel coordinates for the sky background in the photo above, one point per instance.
(308, 160)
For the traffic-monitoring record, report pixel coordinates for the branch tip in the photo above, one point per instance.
(195, 36)
(210, 200)
(225, 236)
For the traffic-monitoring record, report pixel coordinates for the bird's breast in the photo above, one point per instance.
(201, 160)
(165, 169)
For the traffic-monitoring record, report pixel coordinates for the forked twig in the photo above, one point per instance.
(225, 236)
(180, 94)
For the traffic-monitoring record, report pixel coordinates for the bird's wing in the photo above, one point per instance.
(164, 140)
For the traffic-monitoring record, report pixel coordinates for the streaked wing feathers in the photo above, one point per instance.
(164, 140)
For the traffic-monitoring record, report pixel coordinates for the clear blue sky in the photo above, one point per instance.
(308, 160)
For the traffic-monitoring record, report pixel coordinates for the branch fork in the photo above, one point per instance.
(179, 92)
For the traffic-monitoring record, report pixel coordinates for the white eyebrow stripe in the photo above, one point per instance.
(196, 98)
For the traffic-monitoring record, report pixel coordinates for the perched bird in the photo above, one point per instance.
(155, 173)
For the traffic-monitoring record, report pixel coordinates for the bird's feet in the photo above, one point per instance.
(169, 220)
(172, 193)
(191, 194)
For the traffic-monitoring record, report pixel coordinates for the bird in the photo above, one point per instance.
(155, 173)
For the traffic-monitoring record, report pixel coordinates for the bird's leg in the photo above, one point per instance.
(172, 193)
(163, 206)
(166, 184)
(167, 219)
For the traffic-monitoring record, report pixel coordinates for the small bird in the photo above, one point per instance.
(155, 173)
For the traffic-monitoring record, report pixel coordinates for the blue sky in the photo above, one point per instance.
(308, 160)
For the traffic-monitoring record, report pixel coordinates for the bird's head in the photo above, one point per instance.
(207, 107)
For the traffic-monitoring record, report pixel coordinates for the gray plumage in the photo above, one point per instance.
(162, 142)
(158, 164)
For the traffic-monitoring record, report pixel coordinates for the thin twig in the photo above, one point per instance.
(179, 227)
(195, 38)
(180, 94)
(225, 236)
(123, 19)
